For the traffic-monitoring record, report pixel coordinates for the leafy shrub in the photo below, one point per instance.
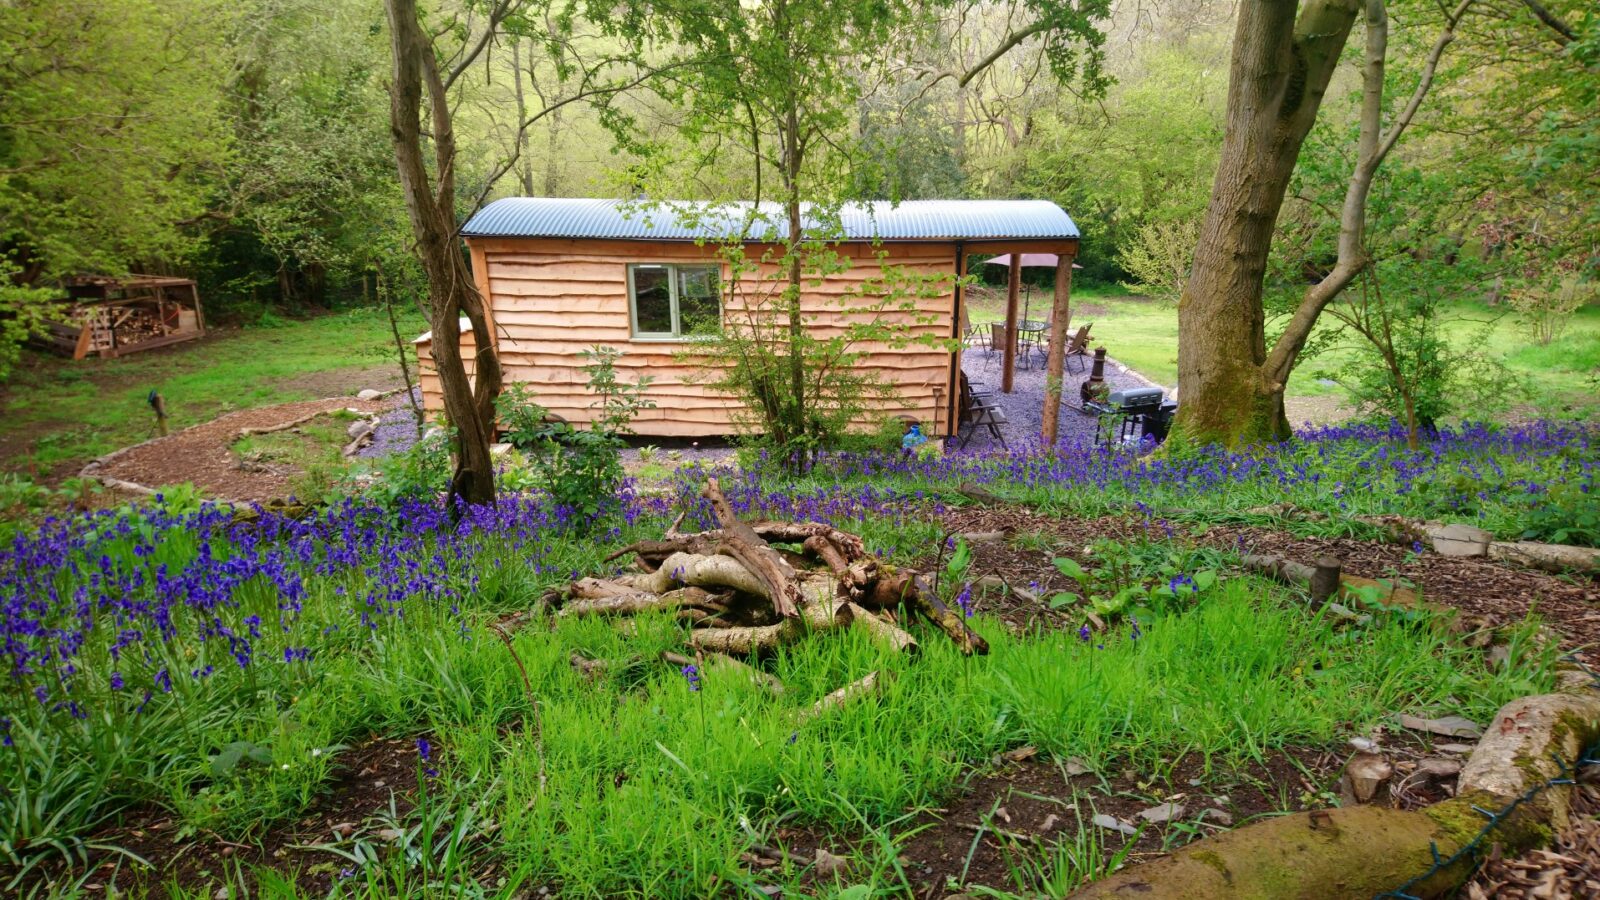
(421, 470)
(1564, 514)
(1544, 310)
(1135, 577)
(580, 469)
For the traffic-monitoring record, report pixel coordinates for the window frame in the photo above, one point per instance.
(674, 280)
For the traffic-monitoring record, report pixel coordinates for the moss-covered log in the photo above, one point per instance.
(1358, 852)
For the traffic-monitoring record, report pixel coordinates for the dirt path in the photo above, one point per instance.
(203, 455)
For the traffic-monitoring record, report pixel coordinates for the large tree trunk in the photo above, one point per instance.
(1279, 74)
(1230, 386)
(452, 294)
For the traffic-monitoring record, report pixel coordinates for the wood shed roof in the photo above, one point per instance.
(912, 220)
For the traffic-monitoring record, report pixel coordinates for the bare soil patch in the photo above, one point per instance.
(203, 455)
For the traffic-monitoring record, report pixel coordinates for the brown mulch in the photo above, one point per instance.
(1569, 869)
(1489, 593)
(203, 456)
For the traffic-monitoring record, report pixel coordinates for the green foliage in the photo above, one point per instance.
(1135, 168)
(1402, 365)
(580, 469)
(801, 388)
(1545, 310)
(1138, 578)
(110, 127)
(421, 470)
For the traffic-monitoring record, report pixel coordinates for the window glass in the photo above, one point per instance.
(652, 300)
(699, 309)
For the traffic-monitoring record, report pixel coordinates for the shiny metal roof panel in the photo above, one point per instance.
(911, 220)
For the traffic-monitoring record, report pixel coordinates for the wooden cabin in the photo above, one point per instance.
(563, 275)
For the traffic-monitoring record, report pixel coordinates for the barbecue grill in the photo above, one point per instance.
(1134, 415)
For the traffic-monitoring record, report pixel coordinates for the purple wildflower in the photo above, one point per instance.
(964, 600)
(691, 674)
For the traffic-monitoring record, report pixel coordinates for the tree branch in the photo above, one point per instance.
(1564, 33)
(1011, 40)
(1373, 147)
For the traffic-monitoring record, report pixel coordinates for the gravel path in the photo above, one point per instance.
(1024, 406)
(397, 428)
(1024, 409)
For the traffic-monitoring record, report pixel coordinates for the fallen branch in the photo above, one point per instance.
(859, 688)
(742, 543)
(711, 664)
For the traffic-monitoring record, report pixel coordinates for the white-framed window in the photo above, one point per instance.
(673, 302)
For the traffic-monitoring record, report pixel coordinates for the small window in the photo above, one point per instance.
(674, 301)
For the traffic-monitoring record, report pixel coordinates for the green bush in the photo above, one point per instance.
(580, 469)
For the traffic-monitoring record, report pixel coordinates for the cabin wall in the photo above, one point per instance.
(551, 299)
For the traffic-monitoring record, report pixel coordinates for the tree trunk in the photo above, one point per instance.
(1279, 73)
(452, 294)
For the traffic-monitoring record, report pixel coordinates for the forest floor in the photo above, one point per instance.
(1023, 823)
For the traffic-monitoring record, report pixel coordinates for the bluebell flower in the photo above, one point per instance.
(964, 600)
(1083, 633)
(691, 674)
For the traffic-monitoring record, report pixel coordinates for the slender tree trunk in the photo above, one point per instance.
(525, 169)
(452, 295)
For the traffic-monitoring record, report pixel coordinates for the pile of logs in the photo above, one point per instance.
(746, 588)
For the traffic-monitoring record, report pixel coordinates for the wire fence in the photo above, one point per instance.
(1567, 775)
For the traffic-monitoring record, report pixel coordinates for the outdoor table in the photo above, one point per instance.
(1032, 329)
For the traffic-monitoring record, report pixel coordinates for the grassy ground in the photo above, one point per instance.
(58, 412)
(279, 652)
(1143, 334)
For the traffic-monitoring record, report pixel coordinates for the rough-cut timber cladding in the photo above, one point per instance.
(552, 298)
(556, 274)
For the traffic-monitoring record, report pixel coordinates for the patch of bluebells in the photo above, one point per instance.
(100, 612)
(1496, 475)
(964, 600)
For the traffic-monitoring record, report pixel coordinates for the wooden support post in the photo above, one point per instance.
(159, 405)
(1055, 367)
(1009, 358)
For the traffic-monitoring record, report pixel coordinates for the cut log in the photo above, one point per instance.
(882, 630)
(742, 543)
(635, 602)
(715, 665)
(822, 612)
(897, 587)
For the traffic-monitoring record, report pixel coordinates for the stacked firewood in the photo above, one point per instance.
(746, 588)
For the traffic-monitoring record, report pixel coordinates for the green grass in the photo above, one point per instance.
(635, 785)
(58, 410)
(1143, 334)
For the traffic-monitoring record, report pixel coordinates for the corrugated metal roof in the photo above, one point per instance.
(912, 220)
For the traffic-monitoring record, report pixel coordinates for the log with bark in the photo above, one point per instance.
(744, 589)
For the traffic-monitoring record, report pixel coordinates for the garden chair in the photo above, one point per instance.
(979, 410)
(1079, 347)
